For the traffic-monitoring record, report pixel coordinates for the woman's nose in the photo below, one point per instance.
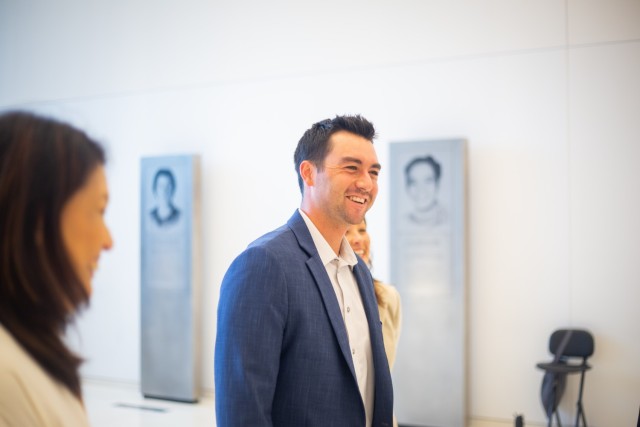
(108, 242)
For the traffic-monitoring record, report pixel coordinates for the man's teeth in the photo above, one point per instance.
(357, 199)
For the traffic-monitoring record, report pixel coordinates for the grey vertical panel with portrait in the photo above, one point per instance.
(427, 235)
(170, 277)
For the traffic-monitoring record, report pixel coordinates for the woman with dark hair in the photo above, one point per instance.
(53, 194)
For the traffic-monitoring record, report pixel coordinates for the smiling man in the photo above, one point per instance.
(299, 339)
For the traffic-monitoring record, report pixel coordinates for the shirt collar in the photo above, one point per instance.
(324, 249)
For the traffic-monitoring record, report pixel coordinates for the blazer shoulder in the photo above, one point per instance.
(293, 236)
(279, 241)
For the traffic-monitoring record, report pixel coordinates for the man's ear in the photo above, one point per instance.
(308, 173)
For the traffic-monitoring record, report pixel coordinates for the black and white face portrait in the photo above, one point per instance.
(422, 177)
(422, 182)
(164, 187)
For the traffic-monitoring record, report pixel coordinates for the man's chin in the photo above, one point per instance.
(356, 219)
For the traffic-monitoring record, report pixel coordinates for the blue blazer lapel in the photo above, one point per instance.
(363, 277)
(383, 408)
(319, 272)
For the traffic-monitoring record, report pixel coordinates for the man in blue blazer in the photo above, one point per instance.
(299, 340)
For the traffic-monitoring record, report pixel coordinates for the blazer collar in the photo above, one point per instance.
(299, 227)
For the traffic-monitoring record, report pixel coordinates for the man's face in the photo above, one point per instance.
(422, 186)
(346, 187)
(164, 189)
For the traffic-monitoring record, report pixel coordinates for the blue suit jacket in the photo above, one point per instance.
(282, 354)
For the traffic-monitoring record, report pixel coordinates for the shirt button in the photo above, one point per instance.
(353, 351)
(348, 309)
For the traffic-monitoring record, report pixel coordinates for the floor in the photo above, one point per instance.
(121, 405)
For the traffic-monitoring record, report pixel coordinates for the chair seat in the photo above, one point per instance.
(563, 368)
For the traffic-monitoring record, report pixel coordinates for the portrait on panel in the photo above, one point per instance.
(427, 237)
(169, 274)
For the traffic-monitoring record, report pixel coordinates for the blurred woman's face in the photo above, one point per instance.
(84, 231)
(359, 240)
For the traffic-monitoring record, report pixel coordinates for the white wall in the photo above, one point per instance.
(547, 93)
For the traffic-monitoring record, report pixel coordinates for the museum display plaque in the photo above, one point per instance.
(170, 279)
(427, 235)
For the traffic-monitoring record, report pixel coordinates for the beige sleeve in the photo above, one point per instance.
(391, 318)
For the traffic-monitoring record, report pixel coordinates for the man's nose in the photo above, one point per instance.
(365, 182)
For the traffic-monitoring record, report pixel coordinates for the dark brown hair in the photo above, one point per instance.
(314, 144)
(43, 162)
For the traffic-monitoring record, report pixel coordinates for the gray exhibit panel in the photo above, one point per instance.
(427, 238)
(170, 282)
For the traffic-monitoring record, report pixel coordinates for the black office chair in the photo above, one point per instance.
(565, 344)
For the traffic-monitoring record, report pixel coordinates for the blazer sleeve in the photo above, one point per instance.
(252, 313)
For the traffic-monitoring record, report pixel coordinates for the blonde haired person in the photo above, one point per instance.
(387, 295)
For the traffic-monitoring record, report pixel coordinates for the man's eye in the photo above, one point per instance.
(351, 168)
(375, 172)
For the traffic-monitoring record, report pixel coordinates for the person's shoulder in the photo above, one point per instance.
(14, 409)
(274, 246)
(11, 351)
(271, 238)
(16, 373)
(15, 363)
(389, 293)
(387, 288)
(10, 377)
(280, 242)
(29, 395)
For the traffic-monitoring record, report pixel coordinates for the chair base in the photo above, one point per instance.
(580, 409)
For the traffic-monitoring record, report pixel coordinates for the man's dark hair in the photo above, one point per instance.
(314, 144)
(428, 160)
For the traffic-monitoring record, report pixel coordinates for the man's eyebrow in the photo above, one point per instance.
(358, 161)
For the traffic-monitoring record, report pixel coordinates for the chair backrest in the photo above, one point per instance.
(580, 343)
